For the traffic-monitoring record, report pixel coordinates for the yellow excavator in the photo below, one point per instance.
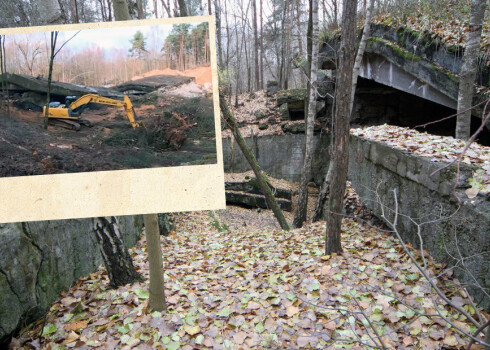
(69, 113)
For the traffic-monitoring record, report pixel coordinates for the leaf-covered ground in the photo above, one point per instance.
(234, 282)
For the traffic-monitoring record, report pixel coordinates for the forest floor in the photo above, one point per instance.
(178, 129)
(235, 281)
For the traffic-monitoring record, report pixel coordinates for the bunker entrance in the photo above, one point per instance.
(296, 114)
(377, 104)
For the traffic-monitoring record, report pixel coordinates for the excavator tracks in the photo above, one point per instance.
(67, 124)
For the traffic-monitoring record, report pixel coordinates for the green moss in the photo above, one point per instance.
(407, 55)
(255, 183)
(446, 72)
(401, 52)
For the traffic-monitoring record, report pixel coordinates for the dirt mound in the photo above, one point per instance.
(202, 75)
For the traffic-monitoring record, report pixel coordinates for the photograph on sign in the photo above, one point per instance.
(101, 101)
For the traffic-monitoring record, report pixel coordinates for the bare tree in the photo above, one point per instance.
(182, 8)
(341, 134)
(29, 52)
(469, 68)
(121, 11)
(300, 215)
(50, 12)
(325, 189)
(3, 70)
(261, 48)
(54, 38)
(256, 44)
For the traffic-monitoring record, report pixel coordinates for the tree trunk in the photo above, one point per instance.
(256, 44)
(50, 12)
(157, 287)
(164, 224)
(362, 47)
(218, 34)
(469, 68)
(54, 37)
(320, 208)
(300, 215)
(487, 338)
(3, 68)
(340, 154)
(141, 10)
(117, 259)
(182, 8)
(261, 48)
(121, 12)
(167, 8)
(264, 187)
(155, 8)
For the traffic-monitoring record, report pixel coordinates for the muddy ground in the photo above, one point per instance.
(177, 129)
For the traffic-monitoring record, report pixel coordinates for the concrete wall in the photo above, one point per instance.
(450, 230)
(377, 167)
(279, 156)
(40, 259)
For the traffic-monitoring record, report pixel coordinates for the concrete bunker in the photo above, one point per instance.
(376, 104)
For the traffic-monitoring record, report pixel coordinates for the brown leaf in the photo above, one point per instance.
(472, 192)
(239, 337)
(192, 330)
(253, 305)
(209, 342)
(70, 338)
(76, 325)
(331, 326)
(68, 301)
(291, 310)
(407, 340)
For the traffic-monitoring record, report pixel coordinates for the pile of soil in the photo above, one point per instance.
(202, 75)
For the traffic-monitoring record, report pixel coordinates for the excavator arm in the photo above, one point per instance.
(75, 108)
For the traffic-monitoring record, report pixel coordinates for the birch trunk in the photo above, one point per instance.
(117, 259)
(469, 68)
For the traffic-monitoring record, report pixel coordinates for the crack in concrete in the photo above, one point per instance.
(10, 284)
(26, 231)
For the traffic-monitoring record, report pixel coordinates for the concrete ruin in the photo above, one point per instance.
(406, 79)
(43, 259)
(378, 168)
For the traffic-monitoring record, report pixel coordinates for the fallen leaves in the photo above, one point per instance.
(438, 148)
(257, 289)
